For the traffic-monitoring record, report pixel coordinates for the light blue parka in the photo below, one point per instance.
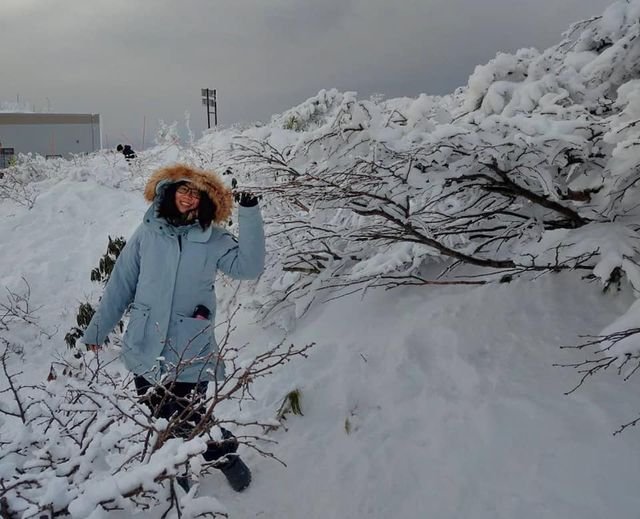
(161, 275)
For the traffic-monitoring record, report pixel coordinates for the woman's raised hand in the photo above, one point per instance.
(246, 199)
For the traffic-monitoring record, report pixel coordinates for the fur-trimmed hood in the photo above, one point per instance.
(206, 181)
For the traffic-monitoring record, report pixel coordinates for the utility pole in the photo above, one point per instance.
(210, 100)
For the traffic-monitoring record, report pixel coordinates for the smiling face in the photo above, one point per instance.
(187, 199)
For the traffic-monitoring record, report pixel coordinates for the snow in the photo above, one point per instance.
(437, 401)
(612, 245)
(429, 401)
(629, 344)
(454, 411)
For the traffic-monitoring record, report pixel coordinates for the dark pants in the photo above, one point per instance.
(176, 399)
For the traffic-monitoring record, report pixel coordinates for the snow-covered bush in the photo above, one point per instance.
(99, 274)
(310, 114)
(81, 443)
(168, 134)
(85, 444)
(532, 168)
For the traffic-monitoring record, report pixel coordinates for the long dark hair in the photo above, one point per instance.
(168, 210)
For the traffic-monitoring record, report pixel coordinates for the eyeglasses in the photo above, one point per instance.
(186, 190)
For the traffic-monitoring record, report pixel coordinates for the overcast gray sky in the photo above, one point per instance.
(127, 59)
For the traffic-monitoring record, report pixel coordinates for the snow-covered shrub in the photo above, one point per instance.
(292, 123)
(311, 113)
(14, 188)
(168, 134)
(532, 168)
(81, 443)
(85, 444)
(99, 274)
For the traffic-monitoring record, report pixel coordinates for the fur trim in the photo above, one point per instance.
(206, 181)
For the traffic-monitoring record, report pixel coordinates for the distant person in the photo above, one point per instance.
(127, 151)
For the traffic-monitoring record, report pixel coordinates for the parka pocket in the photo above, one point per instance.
(136, 329)
(193, 337)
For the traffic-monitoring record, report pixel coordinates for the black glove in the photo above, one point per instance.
(246, 199)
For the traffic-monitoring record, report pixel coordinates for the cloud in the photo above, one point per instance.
(127, 60)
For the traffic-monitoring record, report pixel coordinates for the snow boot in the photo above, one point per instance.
(237, 473)
(218, 449)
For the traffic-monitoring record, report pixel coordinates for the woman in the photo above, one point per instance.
(165, 276)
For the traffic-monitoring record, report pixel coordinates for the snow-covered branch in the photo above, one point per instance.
(83, 439)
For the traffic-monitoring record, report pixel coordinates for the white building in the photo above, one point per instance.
(48, 134)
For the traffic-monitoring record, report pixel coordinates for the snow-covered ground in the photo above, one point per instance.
(438, 401)
(454, 411)
(419, 402)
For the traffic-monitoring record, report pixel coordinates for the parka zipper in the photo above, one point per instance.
(180, 242)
